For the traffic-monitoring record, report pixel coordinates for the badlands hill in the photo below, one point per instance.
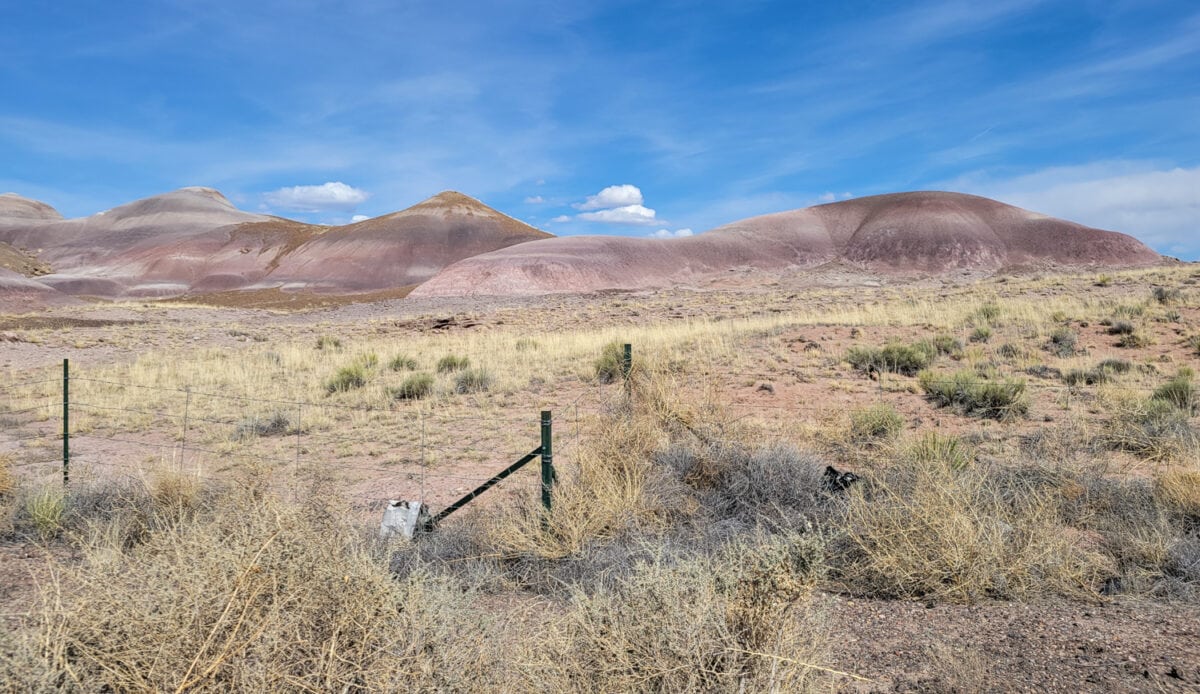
(194, 241)
(921, 233)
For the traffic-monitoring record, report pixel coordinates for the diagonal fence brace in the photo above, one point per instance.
(498, 477)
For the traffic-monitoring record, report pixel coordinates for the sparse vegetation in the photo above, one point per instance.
(1180, 393)
(475, 380)
(452, 362)
(1121, 327)
(879, 422)
(402, 362)
(1101, 373)
(685, 538)
(1133, 340)
(1062, 342)
(277, 422)
(947, 344)
(894, 357)
(347, 378)
(1167, 295)
(46, 509)
(974, 395)
(933, 528)
(610, 365)
(982, 333)
(415, 387)
(328, 342)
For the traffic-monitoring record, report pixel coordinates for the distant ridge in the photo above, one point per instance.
(194, 240)
(918, 233)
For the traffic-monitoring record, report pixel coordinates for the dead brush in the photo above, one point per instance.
(617, 485)
(8, 481)
(1179, 490)
(251, 594)
(935, 529)
(727, 622)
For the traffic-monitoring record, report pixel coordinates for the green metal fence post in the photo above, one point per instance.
(627, 365)
(547, 452)
(66, 430)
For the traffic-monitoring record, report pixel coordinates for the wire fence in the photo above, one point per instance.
(432, 452)
(411, 450)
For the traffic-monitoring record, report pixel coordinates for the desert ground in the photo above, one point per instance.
(1026, 514)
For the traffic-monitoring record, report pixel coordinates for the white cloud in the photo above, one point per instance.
(359, 218)
(560, 219)
(668, 234)
(1160, 206)
(333, 195)
(613, 197)
(534, 200)
(626, 214)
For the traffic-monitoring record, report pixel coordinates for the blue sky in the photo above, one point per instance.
(609, 117)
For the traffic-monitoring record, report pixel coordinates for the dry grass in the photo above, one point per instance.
(253, 594)
(8, 481)
(934, 528)
(1179, 489)
(687, 530)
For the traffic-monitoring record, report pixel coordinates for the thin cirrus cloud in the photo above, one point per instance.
(1159, 205)
(327, 197)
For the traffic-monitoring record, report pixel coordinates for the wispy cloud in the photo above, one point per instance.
(1160, 206)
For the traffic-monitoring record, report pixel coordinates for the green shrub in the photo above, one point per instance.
(981, 334)
(877, 422)
(368, 360)
(452, 362)
(402, 362)
(1193, 343)
(933, 447)
(46, 509)
(988, 312)
(475, 380)
(1133, 340)
(1129, 310)
(328, 342)
(1100, 373)
(1180, 393)
(975, 396)
(347, 378)
(947, 344)
(894, 357)
(609, 366)
(415, 387)
(1103, 281)
(1062, 342)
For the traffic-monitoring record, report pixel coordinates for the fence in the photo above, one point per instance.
(443, 456)
(438, 454)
